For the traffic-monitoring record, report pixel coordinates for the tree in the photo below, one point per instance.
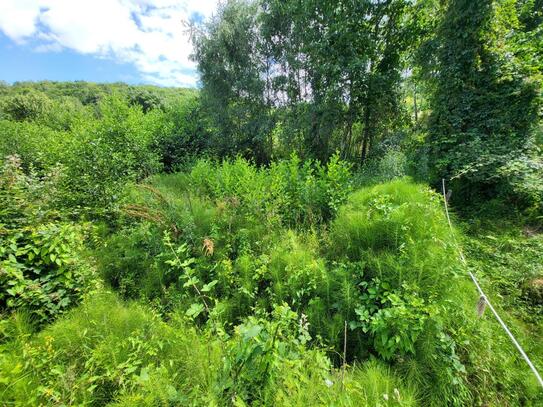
(482, 107)
(233, 92)
(27, 106)
(184, 134)
(316, 75)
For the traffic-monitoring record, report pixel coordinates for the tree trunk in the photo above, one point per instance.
(415, 103)
(367, 134)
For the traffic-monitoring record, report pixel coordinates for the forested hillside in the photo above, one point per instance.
(278, 236)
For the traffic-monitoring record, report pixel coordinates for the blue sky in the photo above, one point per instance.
(23, 63)
(134, 41)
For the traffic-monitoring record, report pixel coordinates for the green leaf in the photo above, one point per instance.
(194, 310)
(252, 331)
(207, 287)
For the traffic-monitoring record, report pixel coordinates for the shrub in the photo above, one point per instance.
(390, 165)
(41, 269)
(127, 258)
(289, 193)
(184, 134)
(99, 155)
(27, 106)
(395, 319)
(257, 356)
(133, 260)
(521, 178)
(108, 153)
(295, 272)
(66, 114)
(41, 272)
(267, 363)
(39, 147)
(239, 210)
(309, 193)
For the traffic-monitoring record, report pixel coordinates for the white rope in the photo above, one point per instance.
(485, 298)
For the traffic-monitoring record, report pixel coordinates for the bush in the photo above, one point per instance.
(41, 268)
(27, 106)
(392, 164)
(108, 153)
(295, 271)
(402, 272)
(226, 215)
(289, 192)
(99, 155)
(521, 178)
(39, 147)
(184, 134)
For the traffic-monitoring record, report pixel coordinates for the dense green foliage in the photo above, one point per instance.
(307, 76)
(386, 267)
(98, 147)
(326, 76)
(483, 108)
(108, 352)
(41, 269)
(211, 247)
(273, 239)
(89, 94)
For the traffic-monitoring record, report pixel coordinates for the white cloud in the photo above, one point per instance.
(147, 33)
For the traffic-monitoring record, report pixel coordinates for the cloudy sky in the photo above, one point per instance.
(135, 41)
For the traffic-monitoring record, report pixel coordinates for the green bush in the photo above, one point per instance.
(109, 153)
(39, 147)
(99, 153)
(133, 259)
(184, 134)
(41, 268)
(66, 114)
(389, 165)
(27, 106)
(257, 355)
(127, 258)
(295, 273)
(404, 274)
(290, 192)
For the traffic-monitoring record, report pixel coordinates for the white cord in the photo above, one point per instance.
(485, 298)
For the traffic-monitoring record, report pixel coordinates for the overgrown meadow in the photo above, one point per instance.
(278, 236)
(226, 283)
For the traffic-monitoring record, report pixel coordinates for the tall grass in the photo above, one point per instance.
(102, 350)
(399, 230)
(107, 351)
(383, 263)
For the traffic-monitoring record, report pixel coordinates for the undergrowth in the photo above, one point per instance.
(278, 286)
(107, 352)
